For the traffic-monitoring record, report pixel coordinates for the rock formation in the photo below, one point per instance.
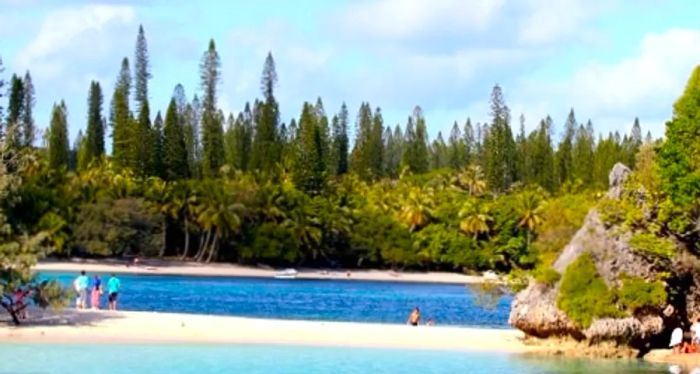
(534, 310)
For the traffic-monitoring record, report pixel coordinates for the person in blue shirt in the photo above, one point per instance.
(81, 284)
(113, 287)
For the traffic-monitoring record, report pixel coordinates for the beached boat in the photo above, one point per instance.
(286, 274)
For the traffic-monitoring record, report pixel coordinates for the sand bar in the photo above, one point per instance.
(199, 269)
(159, 328)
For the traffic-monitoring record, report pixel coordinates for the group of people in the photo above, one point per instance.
(681, 345)
(414, 318)
(85, 286)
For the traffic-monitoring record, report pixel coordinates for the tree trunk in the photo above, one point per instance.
(214, 250)
(165, 235)
(205, 244)
(187, 240)
(12, 312)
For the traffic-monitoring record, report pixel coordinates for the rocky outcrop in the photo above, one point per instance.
(535, 312)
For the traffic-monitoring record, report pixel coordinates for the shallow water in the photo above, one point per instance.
(186, 359)
(332, 300)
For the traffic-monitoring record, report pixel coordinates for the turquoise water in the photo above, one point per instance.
(331, 300)
(191, 359)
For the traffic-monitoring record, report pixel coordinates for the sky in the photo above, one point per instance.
(610, 60)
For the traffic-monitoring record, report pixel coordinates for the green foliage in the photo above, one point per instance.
(115, 227)
(95, 147)
(653, 245)
(584, 295)
(547, 276)
(637, 293)
(58, 138)
(174, 148)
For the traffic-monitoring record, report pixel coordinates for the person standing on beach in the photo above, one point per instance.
(414, 318)
(81, 284)
(96, 292)
(113, 286)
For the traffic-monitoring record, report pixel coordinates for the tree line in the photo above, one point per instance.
(202, 184)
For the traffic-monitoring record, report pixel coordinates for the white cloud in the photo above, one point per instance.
(549, 21)
(60, 29)
(404, 19)
(645, 84)
(656, 74)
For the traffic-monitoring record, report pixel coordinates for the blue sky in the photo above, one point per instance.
(609, 60)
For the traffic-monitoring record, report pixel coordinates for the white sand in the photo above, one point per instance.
(147, 327)
(193, 268)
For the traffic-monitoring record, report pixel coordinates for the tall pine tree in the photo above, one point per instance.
(95, 138)
(310, 171)
(499, 146)
(28, 124)
(175, 163)
(340, 141)
(212, 131)
(142, 71)
(564, 155)
(266, 152)
(121, 120)
(15, 110)
(59, 147)
(415, 155)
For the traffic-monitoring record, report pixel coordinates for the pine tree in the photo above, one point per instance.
(175, 163)
(376, 145)
(324, 133)
(439, 153)
(470, 143)
(191, 125)
(542, 156)
(499, 146)
(29, 126)
(141, 142)
(95, 142)
(363, 135)
(265, 152)
(58, 138)
(456, 148)
(394, 151)
(15, 110)
(340, 141)
(582, 154)
(523, 171)
(121, 120)
(80, 148)
(415, 155)
(142, 71)
(309, 166)
(564, 150)
(212, 131)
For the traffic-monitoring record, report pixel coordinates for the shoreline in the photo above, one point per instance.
(103, 327)
(163, 267)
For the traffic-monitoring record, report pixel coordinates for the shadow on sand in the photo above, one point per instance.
(65, 317)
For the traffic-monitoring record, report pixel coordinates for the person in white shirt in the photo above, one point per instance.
(695, 330)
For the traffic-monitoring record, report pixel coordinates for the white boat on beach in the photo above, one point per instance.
(286, 274)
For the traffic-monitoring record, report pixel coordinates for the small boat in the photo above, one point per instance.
(286, 274)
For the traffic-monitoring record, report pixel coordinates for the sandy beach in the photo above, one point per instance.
(148, 327)
(230, 270)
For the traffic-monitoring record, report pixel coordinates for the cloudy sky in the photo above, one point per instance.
(610, 60)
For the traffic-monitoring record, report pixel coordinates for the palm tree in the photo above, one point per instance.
(219, 216)
(416, 211)
(472, 180)
(475, 218)
(529, 207)
(159, 195)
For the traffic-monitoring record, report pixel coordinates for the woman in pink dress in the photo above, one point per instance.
(96, 293)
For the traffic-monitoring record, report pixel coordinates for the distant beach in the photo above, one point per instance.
(163, 267)
(164, 328)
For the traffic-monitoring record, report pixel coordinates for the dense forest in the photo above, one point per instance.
(193, 182)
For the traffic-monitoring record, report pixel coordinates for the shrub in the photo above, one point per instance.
(546, 276)
(612, 211)
(584, 295)
(651, 244)
(637, 293)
